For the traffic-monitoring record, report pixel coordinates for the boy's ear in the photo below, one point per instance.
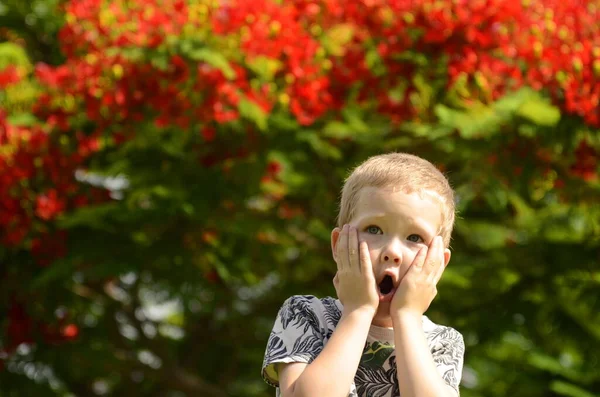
(335, 235)
(447, 255)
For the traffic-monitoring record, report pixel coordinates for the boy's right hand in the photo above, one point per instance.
(355, 281)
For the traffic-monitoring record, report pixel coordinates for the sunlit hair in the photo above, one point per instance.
(402, 172)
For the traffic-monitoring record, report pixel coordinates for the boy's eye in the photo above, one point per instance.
(415, 238)
(374, 230)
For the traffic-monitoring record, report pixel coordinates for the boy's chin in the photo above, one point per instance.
(382, 317)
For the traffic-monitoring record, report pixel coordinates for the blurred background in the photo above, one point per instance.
(170, 173)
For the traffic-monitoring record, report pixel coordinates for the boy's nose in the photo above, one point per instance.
(393, 252)
(396, 259)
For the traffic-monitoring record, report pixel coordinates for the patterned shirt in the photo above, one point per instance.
(304, 324)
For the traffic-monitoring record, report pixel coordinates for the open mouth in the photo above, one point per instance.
(386, 285)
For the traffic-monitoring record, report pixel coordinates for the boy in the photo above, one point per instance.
(391, 248)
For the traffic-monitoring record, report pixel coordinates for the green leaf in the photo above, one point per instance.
(220, 267)
(337, 129)
(568, 389)
(337, 37)
(539, 111)
(320, 146)
(355, 119)
(60, 270)
(214, 59)
(252, 111)
(374, 62)
(485, 235)
(428, 131)
(265, 67)
(425, 92)
(479, 122)
(92, 217)
(22, 119)
(13, 54)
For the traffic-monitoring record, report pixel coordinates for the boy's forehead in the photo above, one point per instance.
(385, 191)
(389, 200)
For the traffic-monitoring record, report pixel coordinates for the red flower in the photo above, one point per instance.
(49, 205)
(586, 163)
(180, 70)
(209, 133)
(6, 130)
(273, 168)
(52, 77)
(9, 75)
(70, 332)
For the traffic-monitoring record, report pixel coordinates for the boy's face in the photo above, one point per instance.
(395, 225)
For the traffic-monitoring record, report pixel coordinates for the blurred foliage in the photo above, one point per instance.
(167, 185)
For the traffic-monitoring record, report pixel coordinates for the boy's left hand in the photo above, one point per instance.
(418, 287)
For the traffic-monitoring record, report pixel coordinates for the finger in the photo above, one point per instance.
(342, 248)
(432, 262)
(365, 259)
(442, 267)
(353, 248)
(417, 263)
(438, 274)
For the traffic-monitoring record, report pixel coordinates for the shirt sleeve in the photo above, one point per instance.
(297, 336)
(448, 352)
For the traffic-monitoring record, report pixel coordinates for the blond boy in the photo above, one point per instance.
(391, 248)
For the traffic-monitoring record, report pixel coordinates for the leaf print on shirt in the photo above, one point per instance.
(373, 382)
(392, 374)
(275, 348)
(333, 314)
(309, 343)
(447, 349)
(375, 354)
(298, 313)
(371, 379)
(294, 309)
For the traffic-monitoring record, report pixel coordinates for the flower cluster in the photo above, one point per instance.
(319, 54)
(561, 51)
(37, 185)
(272, 31)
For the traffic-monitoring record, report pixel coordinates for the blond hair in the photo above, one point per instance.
(406, 172)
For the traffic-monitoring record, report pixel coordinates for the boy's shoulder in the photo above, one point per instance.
(313, 301)
(431, 327)
(327, 309)
(442, 336)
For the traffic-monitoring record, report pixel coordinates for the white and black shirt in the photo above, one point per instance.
(304, 324)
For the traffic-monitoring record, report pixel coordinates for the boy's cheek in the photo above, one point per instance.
(368, 238)
(373, 255)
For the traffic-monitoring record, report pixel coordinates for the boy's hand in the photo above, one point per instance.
(418, 287)
(354, 281)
